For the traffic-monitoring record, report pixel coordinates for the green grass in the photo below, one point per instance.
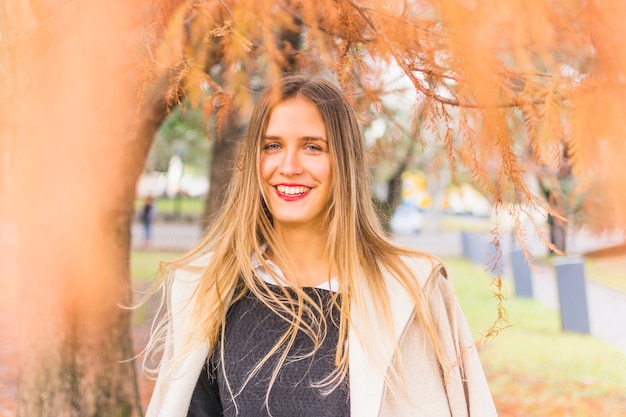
(534, 358)
(611, 273)
(144, 265)
(144, 270)
(454, 223)
(185, 205)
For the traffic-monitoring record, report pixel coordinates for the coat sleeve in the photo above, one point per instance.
(174, 386)
(468, 392)
(456, 389)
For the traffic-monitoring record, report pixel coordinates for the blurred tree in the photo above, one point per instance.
(391, 154)
(183, 133)
(559, 189)
(72, 150)
(231, 132)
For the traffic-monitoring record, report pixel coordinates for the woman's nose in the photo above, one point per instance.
(290, 163)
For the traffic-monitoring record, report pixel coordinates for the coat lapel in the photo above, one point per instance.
(183, 383)
(175, 399)
(366, 382)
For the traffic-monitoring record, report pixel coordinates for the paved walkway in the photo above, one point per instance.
(607, 307)
(167, 236)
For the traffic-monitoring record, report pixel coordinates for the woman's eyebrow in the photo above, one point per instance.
(314, 138)
(303, 138)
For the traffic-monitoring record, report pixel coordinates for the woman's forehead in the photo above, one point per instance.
(297, 117)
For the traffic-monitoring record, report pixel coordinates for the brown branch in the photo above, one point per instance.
(153, 59)
(249, 37)
(227, 7)
(362, 10)
(455, 102)
(390, 16)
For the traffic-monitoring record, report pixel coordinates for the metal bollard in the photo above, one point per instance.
(473, 246)
(477, 249)
(521, 274)
(465, 244)
(570, 275)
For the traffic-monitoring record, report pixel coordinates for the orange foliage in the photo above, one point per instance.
(513, 90)
(504, 84)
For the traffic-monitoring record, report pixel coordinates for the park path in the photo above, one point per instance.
(606, 306)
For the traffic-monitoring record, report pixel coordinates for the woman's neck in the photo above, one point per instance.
(307, 252)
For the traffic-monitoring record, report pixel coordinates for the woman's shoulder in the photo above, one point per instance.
(423, 265)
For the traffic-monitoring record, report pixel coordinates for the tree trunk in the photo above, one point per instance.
(76, 349)
(393, 198)
(74, 161)
(394, 191)
(394, 188)
(558, 235)
(223, 160)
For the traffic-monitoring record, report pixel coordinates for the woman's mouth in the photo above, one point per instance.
(292, 190)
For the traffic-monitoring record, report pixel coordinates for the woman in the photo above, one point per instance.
(296, 303)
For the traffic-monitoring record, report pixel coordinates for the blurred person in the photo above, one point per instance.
(147, 215)
(296, 303)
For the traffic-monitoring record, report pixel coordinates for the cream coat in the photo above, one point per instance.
(463, 393)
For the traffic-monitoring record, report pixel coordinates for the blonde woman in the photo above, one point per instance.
(296, 303)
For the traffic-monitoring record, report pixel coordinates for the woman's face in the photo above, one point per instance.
(296, 171)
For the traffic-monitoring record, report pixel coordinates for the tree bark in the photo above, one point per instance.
(222, 165)
(394, 191)
(558, 235)
(74, 157)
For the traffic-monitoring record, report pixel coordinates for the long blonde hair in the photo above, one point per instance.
(357, 247)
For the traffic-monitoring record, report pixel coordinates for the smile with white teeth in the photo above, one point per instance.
(292, 190)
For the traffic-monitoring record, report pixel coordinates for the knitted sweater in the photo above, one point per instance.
(252, 329)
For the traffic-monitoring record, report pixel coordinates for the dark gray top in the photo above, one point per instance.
(251, 330)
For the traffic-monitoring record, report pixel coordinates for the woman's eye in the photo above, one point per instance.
(312, 147)
(271, 146)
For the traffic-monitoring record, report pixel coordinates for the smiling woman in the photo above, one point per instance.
(296, 302)
(296, 170)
